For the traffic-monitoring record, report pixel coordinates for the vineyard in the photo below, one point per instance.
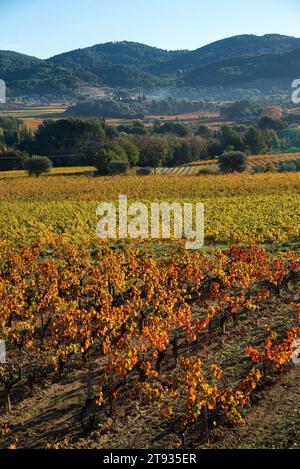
(151, 333)
(239, 208)
(264, 160)
(143, 344)
(254, 162)
(70, 171)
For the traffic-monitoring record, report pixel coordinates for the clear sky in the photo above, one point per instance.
(47, 27)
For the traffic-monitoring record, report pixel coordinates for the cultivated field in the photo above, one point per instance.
(254, 162)
(72, 170)
(35, 116)
(31, 113)
(144, 344)
(263, 207)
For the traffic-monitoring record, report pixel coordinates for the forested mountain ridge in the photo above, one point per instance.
(13, 61)
(117, 53)
(241, 70)
(232, 61)
(247, 45)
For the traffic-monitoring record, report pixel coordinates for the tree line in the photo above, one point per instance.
(74, 141)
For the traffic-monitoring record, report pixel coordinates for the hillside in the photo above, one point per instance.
(246, 70)
(13, 61)
(232, 61)
(55, 78)
(237, 46)
(117, 53)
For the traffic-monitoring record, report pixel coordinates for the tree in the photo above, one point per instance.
(154, 152)
(230, 137)
(37, 165)
(101, 160)
(255, 141)
(118, 167)
(174, 128)
(204, 131)
(11, 137)
(271, 138)
(190, 150)
(267, 122)
(104, 108)
(110, 152)
(10, 123)
(137, 128)
(11, 159)
(69, 136)
(25, 133)
(130, 148)
(144, 171)
(234, 161)
(237, 110)
(173, 106)
(215, 148)
(110, 131)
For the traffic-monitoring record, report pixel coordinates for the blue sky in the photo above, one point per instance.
(47, 27)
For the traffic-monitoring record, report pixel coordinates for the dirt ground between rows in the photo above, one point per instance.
(53, 415)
